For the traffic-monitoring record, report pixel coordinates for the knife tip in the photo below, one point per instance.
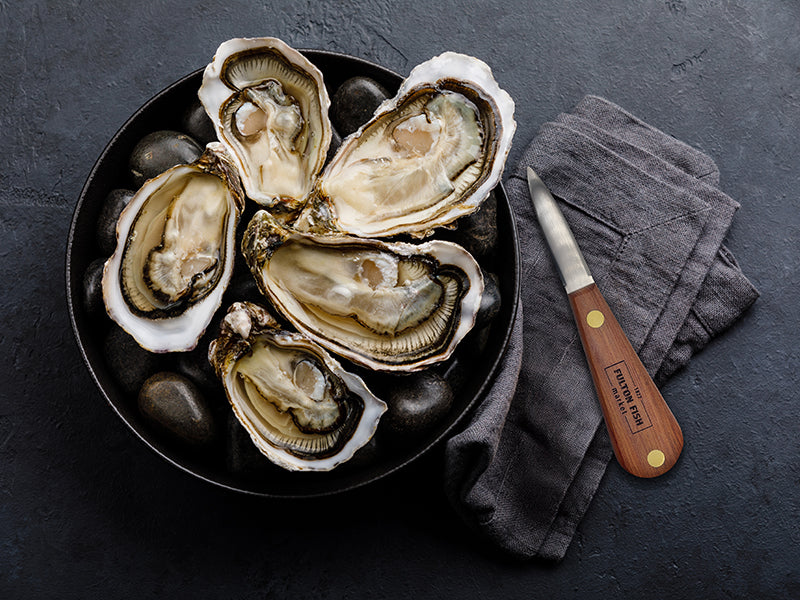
(532, 176)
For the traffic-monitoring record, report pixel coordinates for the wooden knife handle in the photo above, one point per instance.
(647, 439)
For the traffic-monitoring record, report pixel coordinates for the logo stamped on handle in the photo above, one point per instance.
(628, 397)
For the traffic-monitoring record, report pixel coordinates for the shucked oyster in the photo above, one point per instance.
(428, 156)
(387, 306)
(269, 106)
(175, 252)
(301, 409)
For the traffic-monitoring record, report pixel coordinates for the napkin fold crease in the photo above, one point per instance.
(650, 218)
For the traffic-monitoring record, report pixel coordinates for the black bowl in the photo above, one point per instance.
(164, 112)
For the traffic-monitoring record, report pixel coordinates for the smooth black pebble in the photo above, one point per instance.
(158, 151)
(336, 141)
(491, 300)
(243, 287)
(93, 287)
(176, 406)
(128, 361)
(195, 366)
(196, 123)
(456, 372)
(106, 233)
(417, 402)
(354, 103)
(478, 232)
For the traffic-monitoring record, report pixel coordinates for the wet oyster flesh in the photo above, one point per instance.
(428, 156)
(183, 226)
(385, 306)
(174, 255)
(409, 161)
(302, 410)
(269, 106)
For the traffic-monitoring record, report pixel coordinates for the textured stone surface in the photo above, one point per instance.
(177, 407)
(196, 124)
(81, 496)
(354, 103)
(158, 151)
(113, 206)
(128, 362)
(336, 141)
(478, 232)
(416, 402)
(195, 366)
(490, 300)
(93, 287)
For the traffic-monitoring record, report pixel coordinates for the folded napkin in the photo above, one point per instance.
(649, 216)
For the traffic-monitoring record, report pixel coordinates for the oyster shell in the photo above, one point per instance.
(175, 252)
(301, 409)
(269, 106)
(428, 156)
(386, 306)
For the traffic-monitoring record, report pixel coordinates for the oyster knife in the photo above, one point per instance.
(646, 438)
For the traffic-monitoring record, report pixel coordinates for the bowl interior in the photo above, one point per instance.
(111, 171)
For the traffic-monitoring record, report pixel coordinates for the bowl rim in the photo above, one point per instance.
(73, 281)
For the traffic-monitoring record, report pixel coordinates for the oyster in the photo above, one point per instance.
(175, 252)
(386, 306)
(428, 156)
(301, 409)
(269, 106)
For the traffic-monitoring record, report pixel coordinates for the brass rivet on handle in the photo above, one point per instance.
(595, 319)
(655, 458)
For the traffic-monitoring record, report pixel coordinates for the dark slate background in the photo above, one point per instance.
(86, 510)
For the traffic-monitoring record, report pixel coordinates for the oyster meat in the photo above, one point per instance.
(175, 252)
(269, 106)
(386, 306)
(301, 409)
(428, 156)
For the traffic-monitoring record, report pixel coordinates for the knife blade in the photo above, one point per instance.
(645, 435)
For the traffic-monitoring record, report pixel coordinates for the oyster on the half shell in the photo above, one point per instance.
(386, 306)
(301, 409)
(176, 242)
(269, 106)
(428, 156)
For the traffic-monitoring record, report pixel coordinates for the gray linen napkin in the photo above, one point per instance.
(649, 216)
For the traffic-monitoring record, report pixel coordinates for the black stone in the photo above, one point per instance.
(196, 123)
(194, 363)
(158, 151)
(195, 366)
(354, 103)
(128, 361)
(93, 287)
(113, 205)
(176, 406)
(474, 343)
(240, 265)
(490, 300)
(456, 372)
(416, 403)
(243, 287)
(336, 141)
(477, 232)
